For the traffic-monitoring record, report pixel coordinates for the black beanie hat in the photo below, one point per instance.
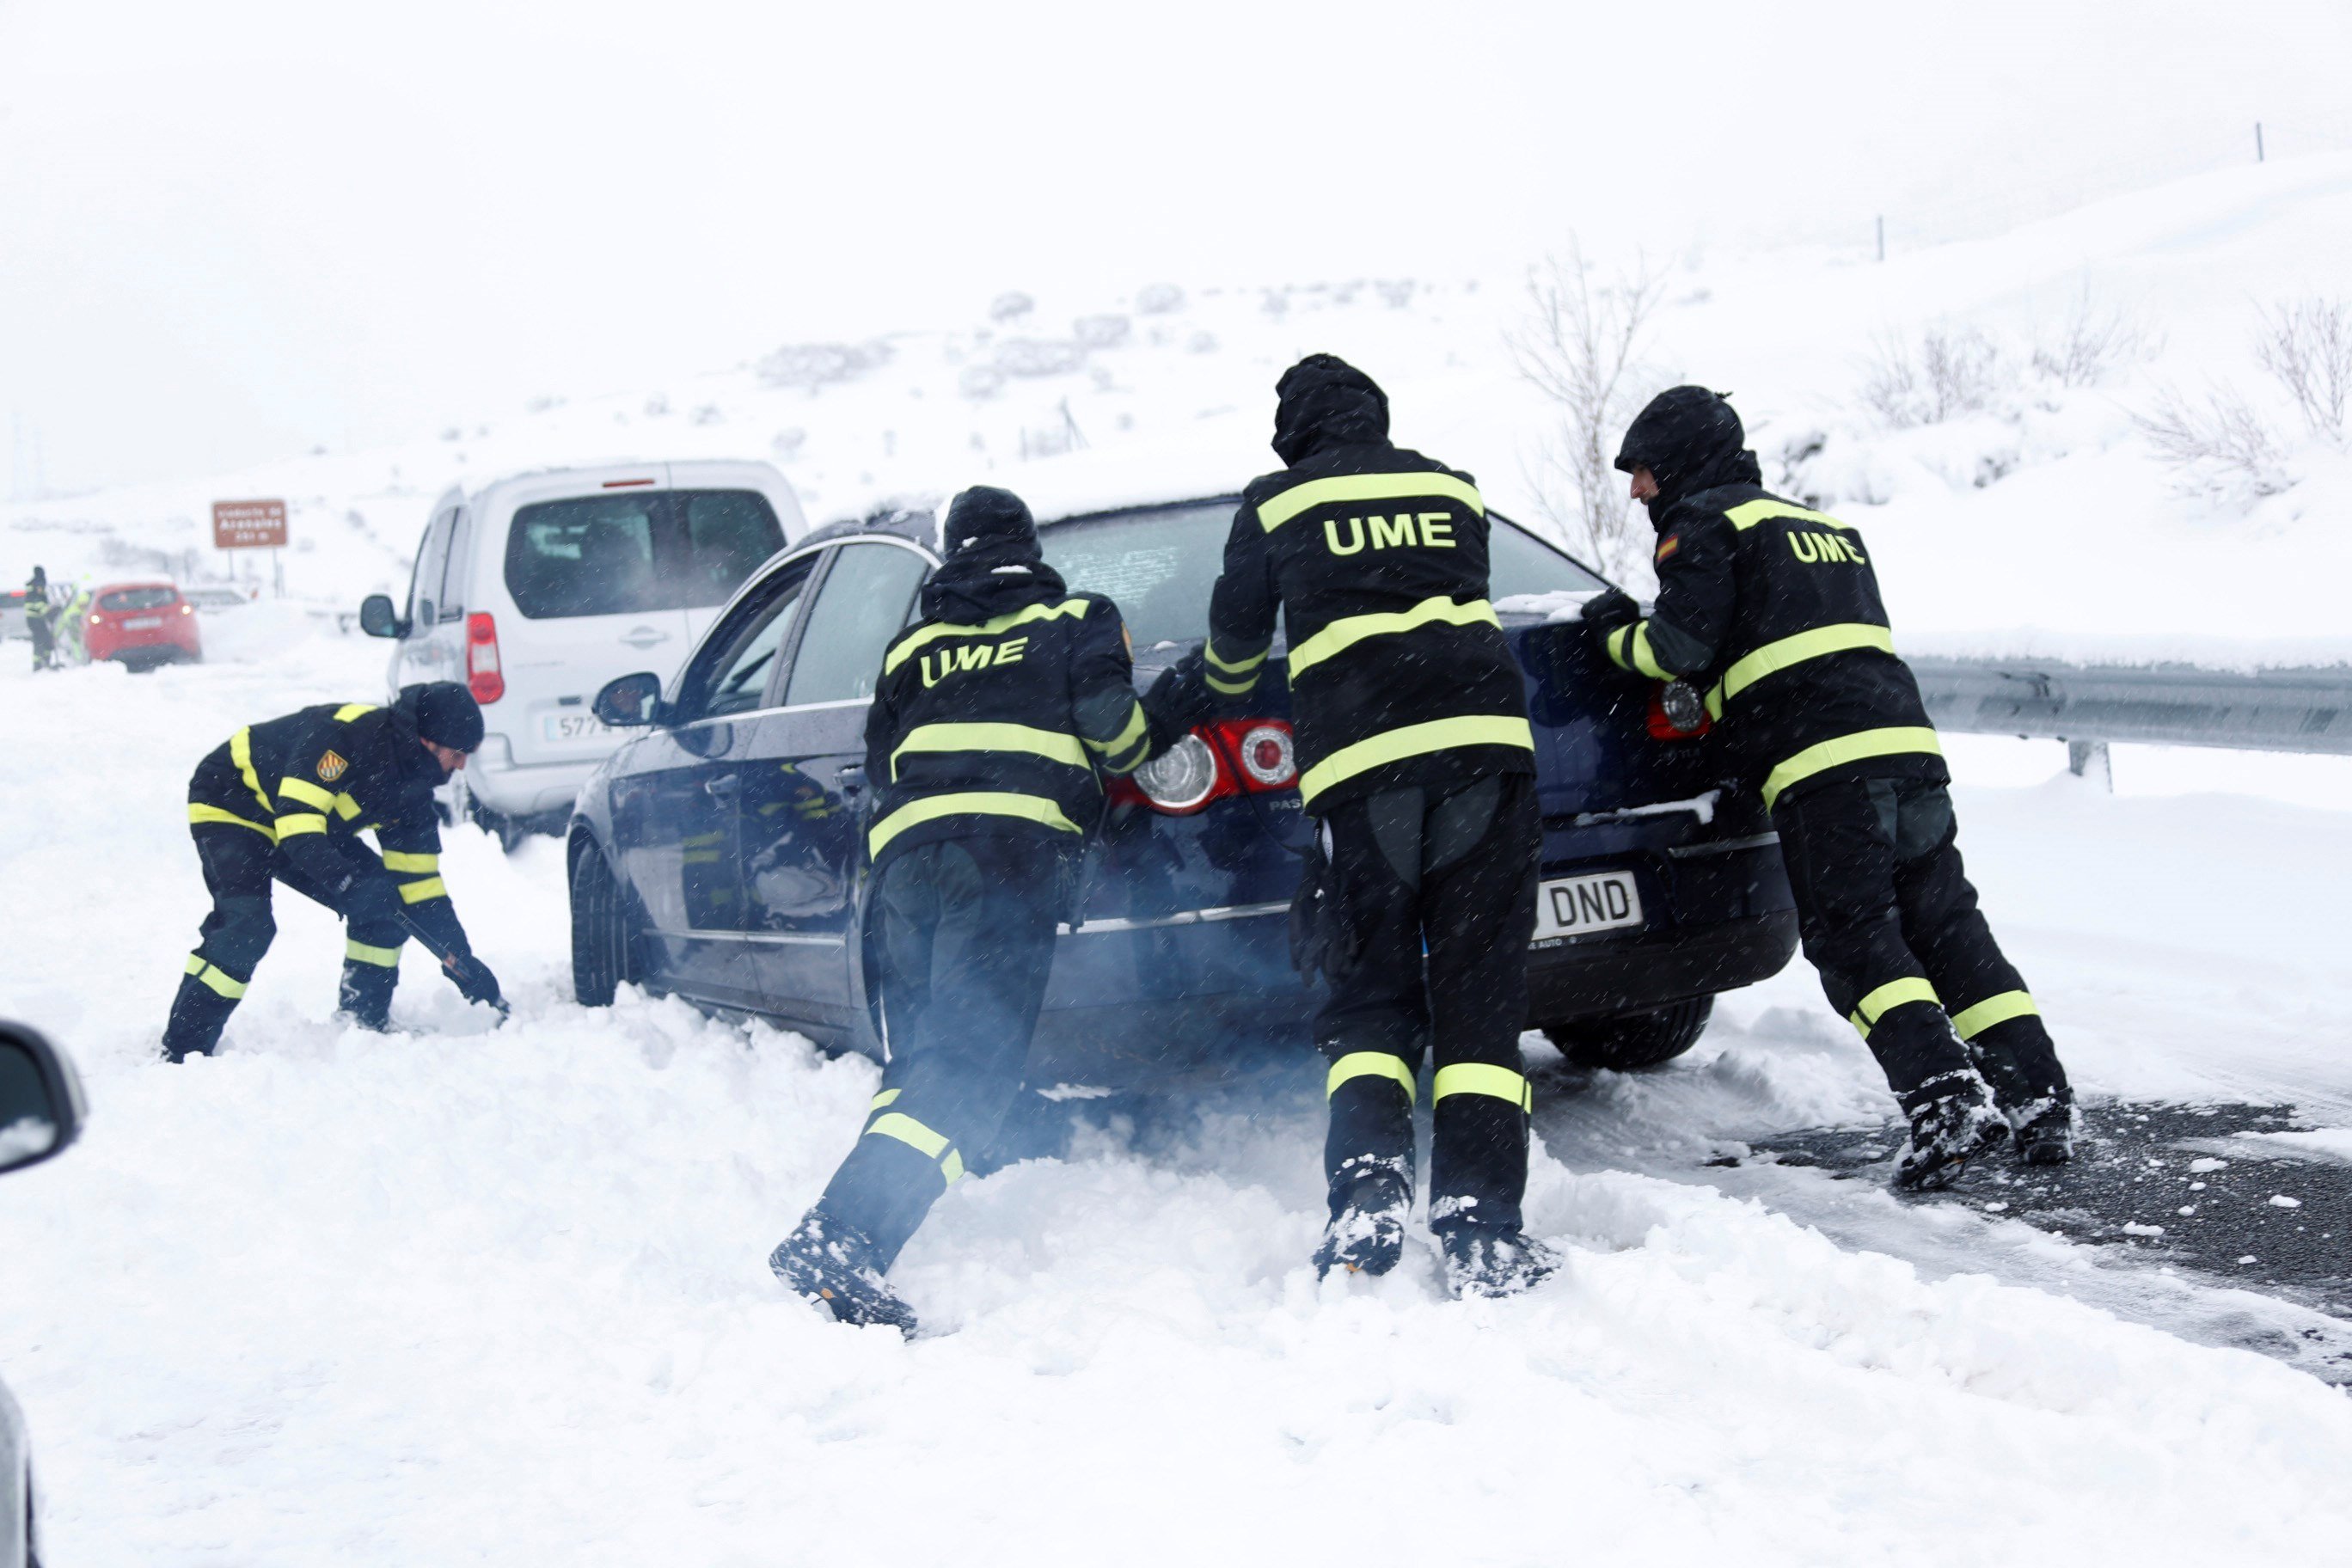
(445, 714)
(984, 515)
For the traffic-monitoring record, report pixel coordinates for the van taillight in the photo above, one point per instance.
(483, 676)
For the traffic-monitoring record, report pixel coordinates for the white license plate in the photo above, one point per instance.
(1579, 905)
(582, 726)
(142, 624)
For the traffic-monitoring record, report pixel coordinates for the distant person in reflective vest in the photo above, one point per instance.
(995, 719)
(1417, 763)
(286, 801)
(1772, 610)
(40, 620)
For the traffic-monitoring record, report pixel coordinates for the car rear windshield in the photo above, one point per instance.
(139, 599)
(1160, 565)
(627, 554)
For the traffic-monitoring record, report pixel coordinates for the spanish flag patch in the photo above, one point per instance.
(1668, 545)
(331, 767)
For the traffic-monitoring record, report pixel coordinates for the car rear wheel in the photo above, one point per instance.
(599, 931)
(1633, 1041)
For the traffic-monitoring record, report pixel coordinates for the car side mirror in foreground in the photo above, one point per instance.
(378, 619)
(630, 701)
(41, 1104)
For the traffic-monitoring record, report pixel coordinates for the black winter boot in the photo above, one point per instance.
(834, 1264)
(1952, 1122)
(1366, 1232)
(1482, 1261)
(2046, 1134)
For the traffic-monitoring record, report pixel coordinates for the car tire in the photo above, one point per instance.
(599, 931)
(1633, 1041)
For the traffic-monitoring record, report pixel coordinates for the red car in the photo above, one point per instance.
(141, 624)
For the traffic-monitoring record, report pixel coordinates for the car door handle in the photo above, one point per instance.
(645, 636)
(726, 786)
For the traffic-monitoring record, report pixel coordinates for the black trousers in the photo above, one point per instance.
(964, 935)
(1438, 887)
(239, 867)
(1888, 918)
(43, 642)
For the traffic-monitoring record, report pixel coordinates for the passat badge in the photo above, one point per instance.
(331, 767)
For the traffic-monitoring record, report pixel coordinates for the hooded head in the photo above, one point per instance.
(1690, 439)
(993, 561)
(41, 578)
(1324, 401)
(444, 714)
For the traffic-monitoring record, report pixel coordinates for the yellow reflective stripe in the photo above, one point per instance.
(1350, 630)
(1638, 647)
(381, 957)
(1413, 740)
(1074, 608)
(1274, 513)
(240, 752)
(952, 1167)
(301, 822)
(883, 1098)
(1886, 998)
(1775, 656)
(346, 807)
(217, 979)
(200, 813)
(307, 792)
(1748, 514)
(417, 892)
(1136, 726)
(1235, 665)
(1613, 645)
(351, 711)
(1240, 687)
(972, 803)
(401, 860)
(1128, 761)
(1478, 1078)
(1970, 1022)
(1369, 1064)
(1854, 748)
(1051, 745)
(915, 1135)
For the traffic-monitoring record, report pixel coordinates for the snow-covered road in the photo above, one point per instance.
(467, 1295)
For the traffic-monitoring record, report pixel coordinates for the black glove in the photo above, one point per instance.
(1605, 612)
(369, 901)
(1322, 936)
(1178, 701)
(474, 980)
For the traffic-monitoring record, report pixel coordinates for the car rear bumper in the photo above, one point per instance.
(517, 789)
(1656, 969)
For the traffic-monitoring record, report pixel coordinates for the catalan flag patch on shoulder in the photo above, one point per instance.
(331, 767)
(1668, 545)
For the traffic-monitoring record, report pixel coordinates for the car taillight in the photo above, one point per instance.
(483, 677)
(1231, 756)
(1677, 712)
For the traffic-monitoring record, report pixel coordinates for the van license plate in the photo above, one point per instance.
(1579, 905)
(581, 726)
(142, 624)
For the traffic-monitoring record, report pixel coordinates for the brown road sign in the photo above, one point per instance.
(249, 525)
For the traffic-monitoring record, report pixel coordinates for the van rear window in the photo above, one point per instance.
(139, 599)
(627, 554)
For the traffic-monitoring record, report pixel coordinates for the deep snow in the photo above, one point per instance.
(471, 1295)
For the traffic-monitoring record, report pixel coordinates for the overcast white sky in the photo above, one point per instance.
(234, 230)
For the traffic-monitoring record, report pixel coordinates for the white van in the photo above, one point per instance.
(536, 589)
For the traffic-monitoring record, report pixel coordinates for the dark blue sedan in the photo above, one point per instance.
(716, 855)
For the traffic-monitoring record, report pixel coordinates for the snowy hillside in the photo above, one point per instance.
(2034, 515)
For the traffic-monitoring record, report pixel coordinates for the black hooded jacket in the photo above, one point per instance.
(1376, 557)
(1772, 609)
(314, 779)
(998, 712)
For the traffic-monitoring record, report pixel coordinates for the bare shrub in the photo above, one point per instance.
(2220, 445)
(1583, 345)
(1010, 306)
(1159, 298)
(2091, 344)
(2306, 346)
(814, 365)
(1947, 373)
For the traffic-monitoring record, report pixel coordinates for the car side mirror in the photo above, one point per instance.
(379, 619)
(41, 1104)
(630, 701)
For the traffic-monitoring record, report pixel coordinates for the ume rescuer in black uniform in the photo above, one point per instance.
(286, 801)
(1417, 760)
(1773, 611)
(993, 720)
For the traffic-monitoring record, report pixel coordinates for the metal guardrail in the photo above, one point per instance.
(2165, 704)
